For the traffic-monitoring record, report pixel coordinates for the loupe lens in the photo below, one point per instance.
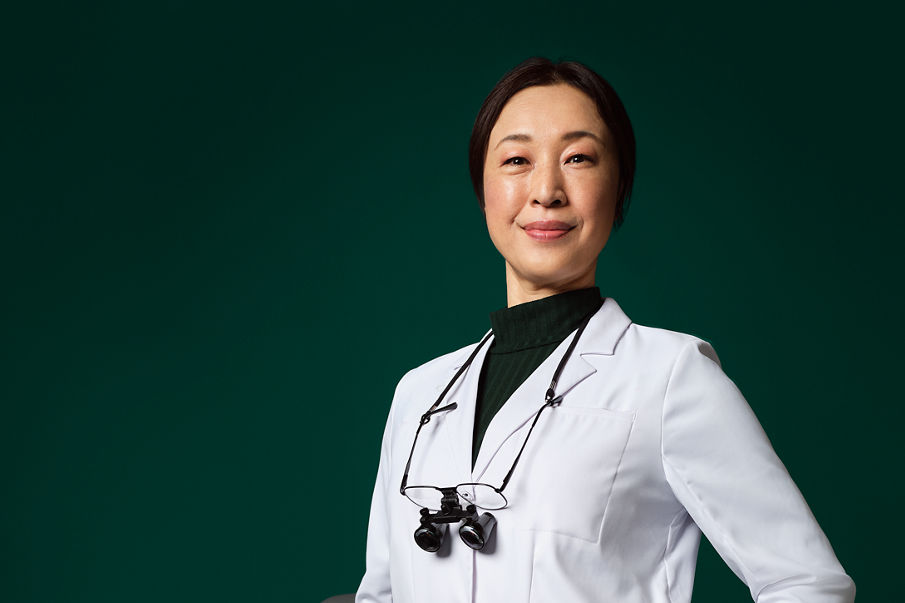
(476, 533)
(430, 537)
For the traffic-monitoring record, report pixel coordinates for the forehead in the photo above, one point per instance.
(548, 109)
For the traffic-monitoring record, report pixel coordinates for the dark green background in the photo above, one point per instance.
(229, 229)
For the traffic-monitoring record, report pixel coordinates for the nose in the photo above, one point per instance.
(547, 186)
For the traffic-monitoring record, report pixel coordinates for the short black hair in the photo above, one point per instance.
(541, 71)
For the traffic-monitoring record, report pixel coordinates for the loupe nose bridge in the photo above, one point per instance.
(467, 492)
(483, 496)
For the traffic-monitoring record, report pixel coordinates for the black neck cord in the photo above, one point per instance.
(549, 399)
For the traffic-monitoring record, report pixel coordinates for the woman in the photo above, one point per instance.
(573, 455)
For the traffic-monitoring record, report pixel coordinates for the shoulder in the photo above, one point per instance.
(657, 352)
(441, 365)
(420, 386)
(681, 369)
(648, 348)
(686, 367)
(668, 343)
(633, 346)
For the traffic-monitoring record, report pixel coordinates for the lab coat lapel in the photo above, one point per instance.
(526, 400)
(599, 337)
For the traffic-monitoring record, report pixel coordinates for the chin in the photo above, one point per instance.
(548, 278)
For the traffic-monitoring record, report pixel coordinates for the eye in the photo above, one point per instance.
(515, 161)
(578, 158)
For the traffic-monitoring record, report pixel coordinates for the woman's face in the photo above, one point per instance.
(550, 183)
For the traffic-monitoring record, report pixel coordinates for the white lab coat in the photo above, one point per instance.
(651, 445)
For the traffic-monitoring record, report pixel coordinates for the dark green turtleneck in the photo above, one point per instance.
(523, 336)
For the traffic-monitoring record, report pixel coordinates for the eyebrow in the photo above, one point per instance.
(519, 137)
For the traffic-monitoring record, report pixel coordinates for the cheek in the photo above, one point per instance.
(496, 193)
(497, 224)
(598, 196)
(498, 204)
(597, 207)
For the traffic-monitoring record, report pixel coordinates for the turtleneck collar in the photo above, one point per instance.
(542, 321)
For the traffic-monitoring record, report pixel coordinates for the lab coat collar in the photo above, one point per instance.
(600, 337)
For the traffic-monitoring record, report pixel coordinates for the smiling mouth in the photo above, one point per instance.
(549, 231)
(547, 234)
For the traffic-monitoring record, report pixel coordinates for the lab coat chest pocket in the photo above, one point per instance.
(570, 469)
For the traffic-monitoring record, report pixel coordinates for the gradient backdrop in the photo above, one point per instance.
(228, 229)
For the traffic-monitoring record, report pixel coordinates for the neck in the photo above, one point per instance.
(520, 289)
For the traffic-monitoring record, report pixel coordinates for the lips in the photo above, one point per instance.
(547, 230)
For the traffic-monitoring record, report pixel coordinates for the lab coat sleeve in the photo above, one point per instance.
(723, 470)
(375, 584)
